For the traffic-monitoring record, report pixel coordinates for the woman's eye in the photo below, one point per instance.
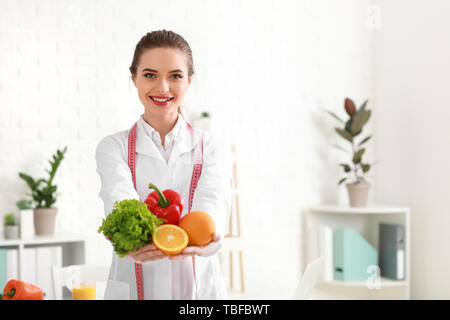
(150, 75)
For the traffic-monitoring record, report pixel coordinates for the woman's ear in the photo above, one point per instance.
(133, 78)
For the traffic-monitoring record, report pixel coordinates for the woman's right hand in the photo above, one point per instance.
(148, 253)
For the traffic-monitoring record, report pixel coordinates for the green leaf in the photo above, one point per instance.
(364, 140)
(334, 116)
(359, 120)
(44, 196)
(130, 226)
(365, 167)
(341, 181)
(348, 126)
(24, 204)
(363, 106)
(346, 167)
(347, 136)
(357, 156)
(9, 219)
(28, 179)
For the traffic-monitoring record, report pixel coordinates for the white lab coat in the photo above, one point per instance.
(164, 278)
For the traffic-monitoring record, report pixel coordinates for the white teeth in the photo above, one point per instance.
(161, 100)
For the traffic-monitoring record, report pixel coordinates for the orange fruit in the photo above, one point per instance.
(199, 226)
(170, 239)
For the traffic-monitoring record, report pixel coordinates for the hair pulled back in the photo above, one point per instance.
(162, 39)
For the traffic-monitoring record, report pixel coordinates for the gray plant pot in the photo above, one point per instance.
(44, 221)
(358, 193)
(11, 232)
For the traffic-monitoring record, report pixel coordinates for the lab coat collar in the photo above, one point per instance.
(185, 141)
(155, 136)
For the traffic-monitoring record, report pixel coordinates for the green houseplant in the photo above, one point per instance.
(43, 193)
(356, 169)
(24, 204)
(11, 227)
(203, 121)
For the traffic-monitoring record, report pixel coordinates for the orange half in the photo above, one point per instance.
(170, 239)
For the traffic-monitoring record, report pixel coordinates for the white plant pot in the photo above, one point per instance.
(203, 124)
(44, 221)
(26, 218)
(12, 232)
(358, 193)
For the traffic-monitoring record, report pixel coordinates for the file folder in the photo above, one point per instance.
(392, 251)
(352, 255)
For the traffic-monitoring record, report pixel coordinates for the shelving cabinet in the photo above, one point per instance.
(72, 252)
(364, 220)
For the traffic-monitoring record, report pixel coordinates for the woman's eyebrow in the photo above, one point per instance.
(152, 70)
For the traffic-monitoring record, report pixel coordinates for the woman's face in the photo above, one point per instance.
(162, 73)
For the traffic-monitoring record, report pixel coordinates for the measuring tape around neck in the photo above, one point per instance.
(198, 152)
(198, 162)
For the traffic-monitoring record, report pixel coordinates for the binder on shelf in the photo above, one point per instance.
(46, 258)
(352, 255)
(320, 243)
(392, 251)
(12, 265)
(3, 275)
(29, 265)
(326, 250)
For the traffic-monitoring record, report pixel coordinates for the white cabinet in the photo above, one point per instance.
(72, 252)
(366, 222)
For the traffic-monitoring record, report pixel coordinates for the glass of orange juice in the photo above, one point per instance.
(84, 291)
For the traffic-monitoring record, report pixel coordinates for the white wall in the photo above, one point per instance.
(412, 134)
(265, 69)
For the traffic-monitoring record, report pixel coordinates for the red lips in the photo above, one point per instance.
(161, 97)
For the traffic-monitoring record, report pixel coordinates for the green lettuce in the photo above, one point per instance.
(129, 226)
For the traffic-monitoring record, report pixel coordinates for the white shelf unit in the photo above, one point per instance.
(364, 220)
(73, 248)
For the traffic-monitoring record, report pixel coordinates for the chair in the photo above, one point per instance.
(75, 274)
(309, 279)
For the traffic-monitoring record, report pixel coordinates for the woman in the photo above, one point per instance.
(165, 149)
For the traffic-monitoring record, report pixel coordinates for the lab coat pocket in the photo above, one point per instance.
(117, 290)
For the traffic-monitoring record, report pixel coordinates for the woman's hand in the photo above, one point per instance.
(148, 253)
(203, 251)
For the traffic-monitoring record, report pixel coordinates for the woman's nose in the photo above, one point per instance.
(163, 85)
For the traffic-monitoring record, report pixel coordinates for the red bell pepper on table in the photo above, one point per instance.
(167, 205)
(20, 290)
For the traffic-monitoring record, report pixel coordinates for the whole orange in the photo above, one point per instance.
(199, 226)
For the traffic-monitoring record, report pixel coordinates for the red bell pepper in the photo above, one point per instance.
(167, 205)
(20, 290)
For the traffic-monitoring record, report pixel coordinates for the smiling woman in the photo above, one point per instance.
(162, 148)
(162, 70)
(162, 79)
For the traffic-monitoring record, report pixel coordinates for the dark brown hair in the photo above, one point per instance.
(162, 39)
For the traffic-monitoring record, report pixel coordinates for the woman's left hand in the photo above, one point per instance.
(203, 251)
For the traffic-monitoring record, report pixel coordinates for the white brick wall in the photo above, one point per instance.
(264, 71)
(413, 132)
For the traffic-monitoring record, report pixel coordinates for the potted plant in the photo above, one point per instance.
(203, 122)
(355, 170)
(26, 222)
(11, 227)
(43, 193)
